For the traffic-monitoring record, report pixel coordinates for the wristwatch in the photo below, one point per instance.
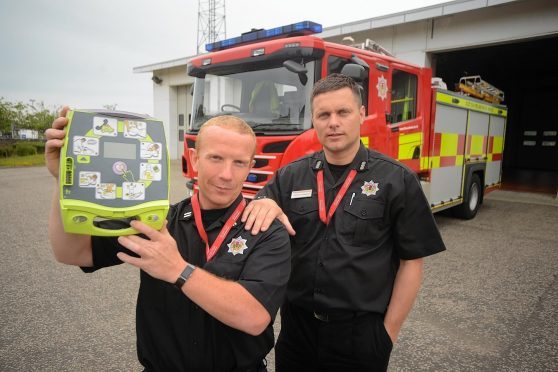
(188, 270)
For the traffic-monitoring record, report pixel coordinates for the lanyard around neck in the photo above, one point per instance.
(321, 195)
(210, 252)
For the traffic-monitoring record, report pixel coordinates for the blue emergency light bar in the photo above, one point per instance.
(295, 29)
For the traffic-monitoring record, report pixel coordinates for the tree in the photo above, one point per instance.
(6, 116)
(38, 116)
(33, 115)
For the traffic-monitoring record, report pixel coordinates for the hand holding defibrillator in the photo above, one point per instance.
(55, 140)
(112, 168)
(158, 255)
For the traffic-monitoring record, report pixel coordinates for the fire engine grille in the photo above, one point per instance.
(276, 147)
(191, 143)
(256, 178)
(260, 163)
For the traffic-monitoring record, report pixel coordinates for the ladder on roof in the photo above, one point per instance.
(476, 87)
(368, 44)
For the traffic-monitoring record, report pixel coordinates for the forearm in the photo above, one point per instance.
(70, 249)
(227, 301)
(405, 290)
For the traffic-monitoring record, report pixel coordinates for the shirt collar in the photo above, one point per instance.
(360, 162)
(188, 214)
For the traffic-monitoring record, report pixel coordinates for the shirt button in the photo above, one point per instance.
(321, 264)
(195, 343)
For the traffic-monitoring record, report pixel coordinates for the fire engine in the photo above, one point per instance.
(453, 141)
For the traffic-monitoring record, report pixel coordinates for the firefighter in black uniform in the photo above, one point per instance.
(209, 290)
(362, 226)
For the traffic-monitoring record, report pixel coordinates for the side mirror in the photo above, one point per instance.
(357, 72)
(297, 68)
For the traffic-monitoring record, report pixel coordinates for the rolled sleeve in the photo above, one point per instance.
(104, 251)
(415, 231)
(267, 270)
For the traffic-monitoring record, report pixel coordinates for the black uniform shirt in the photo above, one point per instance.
(173, 333)
(351, 263)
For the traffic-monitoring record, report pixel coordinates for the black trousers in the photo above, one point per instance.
(359, 343)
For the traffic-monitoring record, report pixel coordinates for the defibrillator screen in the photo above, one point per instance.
(117, 150)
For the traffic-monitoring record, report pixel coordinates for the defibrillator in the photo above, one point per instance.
(114, 168)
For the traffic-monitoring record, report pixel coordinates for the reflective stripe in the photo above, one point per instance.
(424, 161)
(476, 145)
(449, 144)
(407, 144)
(498, 145)
(448, 150)
(468, 103)
(495, 148)
(365, 141)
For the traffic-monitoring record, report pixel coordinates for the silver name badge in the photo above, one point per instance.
(301, 194)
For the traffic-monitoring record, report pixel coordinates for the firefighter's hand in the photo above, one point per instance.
(259, 215)
(158, 255)
(55, 140)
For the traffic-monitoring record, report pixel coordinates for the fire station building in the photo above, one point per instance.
(512, 44)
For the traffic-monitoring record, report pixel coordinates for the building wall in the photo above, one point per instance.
(413, 39)
(170, 98)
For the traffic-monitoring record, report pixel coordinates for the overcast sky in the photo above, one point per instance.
(82, 52)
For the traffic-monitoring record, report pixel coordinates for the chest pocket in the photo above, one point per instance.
(303, 211)
(363, 220)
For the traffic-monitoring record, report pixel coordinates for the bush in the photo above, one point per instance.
(6, 151)
(23, 149)
(39, 147)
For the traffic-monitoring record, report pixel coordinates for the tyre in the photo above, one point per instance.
(471, 200)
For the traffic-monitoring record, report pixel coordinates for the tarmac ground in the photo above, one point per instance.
(489, 303)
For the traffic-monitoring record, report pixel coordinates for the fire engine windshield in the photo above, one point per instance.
(270, 99)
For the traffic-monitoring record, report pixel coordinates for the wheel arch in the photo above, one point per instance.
(471, 169)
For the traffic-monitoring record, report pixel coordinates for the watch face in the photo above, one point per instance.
(184, 275)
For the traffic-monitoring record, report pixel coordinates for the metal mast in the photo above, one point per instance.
(211, 22)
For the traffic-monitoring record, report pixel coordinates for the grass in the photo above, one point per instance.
(23, 161)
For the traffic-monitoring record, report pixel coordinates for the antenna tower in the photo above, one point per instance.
(211, 22)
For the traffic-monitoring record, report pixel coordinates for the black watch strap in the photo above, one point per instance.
(188, 270)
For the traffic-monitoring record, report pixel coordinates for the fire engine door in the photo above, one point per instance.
(404, 121)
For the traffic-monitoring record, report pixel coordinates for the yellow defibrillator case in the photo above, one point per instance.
(114, 168)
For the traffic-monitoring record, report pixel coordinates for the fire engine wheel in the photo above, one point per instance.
(471, 200)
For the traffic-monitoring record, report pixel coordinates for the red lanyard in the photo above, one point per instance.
(210, 252)
(338, 197)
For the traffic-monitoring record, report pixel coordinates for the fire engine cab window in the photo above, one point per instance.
(335, 65)
(403, 96)
(270, 98)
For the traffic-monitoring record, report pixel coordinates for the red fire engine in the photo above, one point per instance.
(452, 141)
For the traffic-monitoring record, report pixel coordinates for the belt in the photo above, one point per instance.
(338, 316)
